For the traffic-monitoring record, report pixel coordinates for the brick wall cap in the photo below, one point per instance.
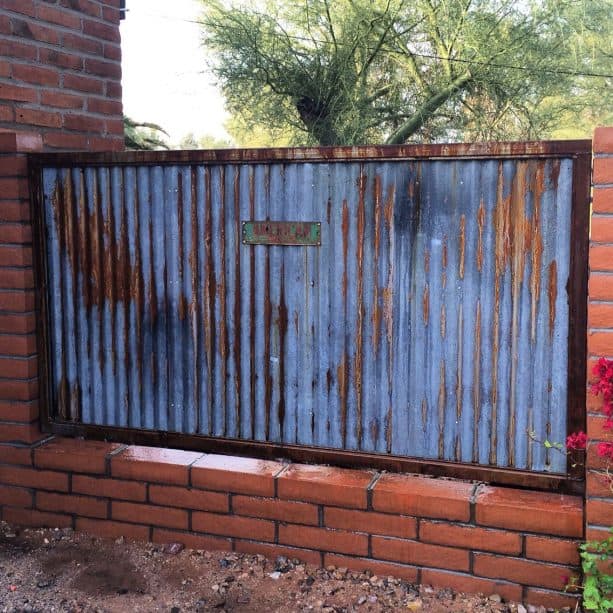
(157, 455)
(17, 142)
(227, 463)
(74, 454)
(325, 484)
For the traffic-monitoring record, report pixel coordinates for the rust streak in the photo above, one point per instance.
(342, 378)
(426, 304)
(477, 382)
(462, 244)
(538, 189)
(552, 292)
(441, 410)
(480, 225)
(345, 232)
(210, 283)
(238, 324)
(282, 323)
(360, 297)
(224, 345)
(376, 314)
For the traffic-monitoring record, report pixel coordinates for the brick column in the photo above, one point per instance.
(599, 498)
(19, 426)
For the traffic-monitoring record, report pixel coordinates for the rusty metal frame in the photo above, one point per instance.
(578, 150)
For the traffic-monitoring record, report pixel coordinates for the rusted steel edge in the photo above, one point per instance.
(556, 148)
(577, 296)
(319, 455)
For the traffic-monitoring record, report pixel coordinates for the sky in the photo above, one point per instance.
(165, 80)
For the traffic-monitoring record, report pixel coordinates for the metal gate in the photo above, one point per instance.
(429, 315)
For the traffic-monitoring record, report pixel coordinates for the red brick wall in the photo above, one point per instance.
(599, 502)
(60, 72)
(466, 536)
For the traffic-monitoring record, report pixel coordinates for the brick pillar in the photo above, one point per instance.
(599, 498)
(19, 427)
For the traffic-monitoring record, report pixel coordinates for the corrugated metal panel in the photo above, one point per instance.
(432, 322)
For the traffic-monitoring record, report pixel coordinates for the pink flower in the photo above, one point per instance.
(605, 450)
(576, 441)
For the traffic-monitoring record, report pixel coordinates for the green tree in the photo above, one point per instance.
(207, 141)
(364, 71)
(143, 136)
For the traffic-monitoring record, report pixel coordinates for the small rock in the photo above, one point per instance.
(275, 575)
(361, 600)
(120, 541)
(372, 599)
(495, 598)
(43, 583)
(415, 605)
(175, 610)
(174, 548)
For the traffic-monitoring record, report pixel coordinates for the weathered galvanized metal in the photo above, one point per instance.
(432, 322)
(281, 232)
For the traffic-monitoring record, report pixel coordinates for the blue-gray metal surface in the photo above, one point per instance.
(432, 322)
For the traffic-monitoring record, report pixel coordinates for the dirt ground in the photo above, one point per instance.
(58, 570)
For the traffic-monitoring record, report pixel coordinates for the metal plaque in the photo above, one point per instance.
(281, 233)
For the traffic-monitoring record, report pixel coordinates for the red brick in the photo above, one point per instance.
(192, 541)
(106, 143)
(5, 25)
(114, 126)
(19, 142)
(325, 485)
(561, 551)
(67, 61)
(112, 529)
(593, 459)
(339, 541)
(7, 113)
(18, 301)
(66, 141)
(36, 74)
(113, 90)
(83, 123)
(112, 52)
(96, 29)
(382, 569)
(235, 474)
(602, 141)
(15, 496)
(18, 344)
(39, 479)
(25, 7)
(58, 16)
(111, 14)
(601, 232)
(83, 44)
(232, 525)
(602, 200)
(78, 505)
(599, 512)
(469, 537)
(551, 600)
(15, 232)
(536, 574)
(18, 323)
(109, 488)
(18, 93)
(273, 551)
(28, 29)
(601, 259)
(11, 454)
(33, 518)
(282, 510)
(600, 343)
(108, 70)
(600, 315)
(18, 390)
(422, 496)
(371, 523)
(599, 484)
(597, 533)
(13, 165)
(19, 368)
(158, 516)
(530, 511)
(14, 188)
(104, 107)
(471, 585)
(88, 7)
(600, 286)
(153, 464)
(419, 554)
(11, 410)
(80, 83)
(18, 49)
(16, 278)
(189, 498)
(596, 426)
(75, 455)
(25, 433)
(14, 210)
(602, 170)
